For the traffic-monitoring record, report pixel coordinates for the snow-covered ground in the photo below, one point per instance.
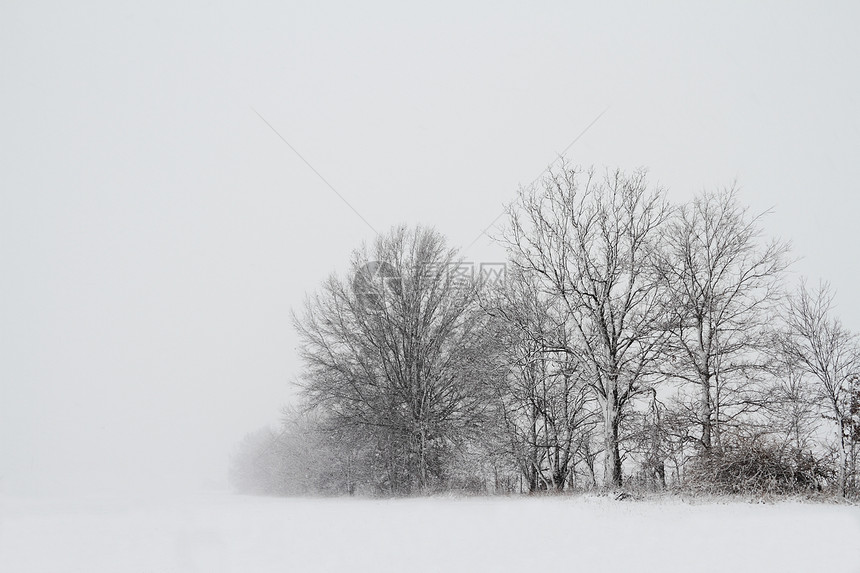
(223, 532)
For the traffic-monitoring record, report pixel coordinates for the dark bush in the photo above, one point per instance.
(752, 467)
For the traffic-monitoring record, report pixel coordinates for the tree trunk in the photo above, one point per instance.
(853, 464)
(843, 461)
(706, 414)
(534, 462)
(422, 459)
(589, 463)
(611, 455)
(532, 478)
(350, 483)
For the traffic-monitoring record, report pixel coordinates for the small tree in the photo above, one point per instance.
(817, 344)
(792, 411)
(542, 402)
(853, 431)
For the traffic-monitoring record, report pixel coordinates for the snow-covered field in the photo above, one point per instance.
(223, 532)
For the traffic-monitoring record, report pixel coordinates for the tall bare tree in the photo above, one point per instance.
(543, 402)
(589, 242)
(820, 346)
(721, 280)
(398, 352)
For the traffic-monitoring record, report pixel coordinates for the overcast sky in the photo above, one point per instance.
(155, 232)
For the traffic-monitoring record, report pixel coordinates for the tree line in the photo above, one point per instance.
(629, 341)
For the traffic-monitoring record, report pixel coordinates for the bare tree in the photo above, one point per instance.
(793, 412)
(589, 243)
(650, 442)
(853, 431)
(398, 353)
(721, 280)
(543, 402)
(820, 346)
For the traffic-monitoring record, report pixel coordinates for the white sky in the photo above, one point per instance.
(154, 232)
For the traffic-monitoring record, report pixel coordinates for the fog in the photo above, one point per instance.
(155, 232)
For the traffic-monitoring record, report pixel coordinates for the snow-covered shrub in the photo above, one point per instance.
(754, 467)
